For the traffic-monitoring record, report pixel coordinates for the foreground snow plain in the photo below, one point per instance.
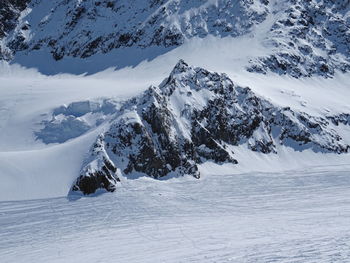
(297, 216)
(290, 207)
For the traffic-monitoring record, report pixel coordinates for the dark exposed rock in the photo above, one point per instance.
(340, 119)
(147, 140)
(98, 173)
(10, 11)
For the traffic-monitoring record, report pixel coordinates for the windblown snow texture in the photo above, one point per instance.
(192, 117)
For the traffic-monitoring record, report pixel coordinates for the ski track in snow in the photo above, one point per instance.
(299, 216)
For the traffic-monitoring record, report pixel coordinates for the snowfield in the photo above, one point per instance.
(297, 216)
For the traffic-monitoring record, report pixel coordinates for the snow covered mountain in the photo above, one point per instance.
(301, 38)
(194, 116)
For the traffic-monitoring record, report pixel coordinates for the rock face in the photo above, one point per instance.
(303, 38)
(196, 116)
(10, 11)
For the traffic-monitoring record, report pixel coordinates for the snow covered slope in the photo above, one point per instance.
(241, 154)
(83, 28)
(308, 37)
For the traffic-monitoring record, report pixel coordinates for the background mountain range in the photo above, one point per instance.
(300, 38)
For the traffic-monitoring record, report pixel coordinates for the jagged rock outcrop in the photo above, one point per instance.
(98, 172)
(343, 118)
(10, 11)
(195, 116)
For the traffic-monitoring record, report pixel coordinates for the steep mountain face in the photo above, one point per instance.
(196, 116)
(303, 37)
(98, 173)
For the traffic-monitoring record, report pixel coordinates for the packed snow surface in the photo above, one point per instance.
(297, 216)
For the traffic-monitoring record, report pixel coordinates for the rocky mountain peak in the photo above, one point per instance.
(196, 116)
